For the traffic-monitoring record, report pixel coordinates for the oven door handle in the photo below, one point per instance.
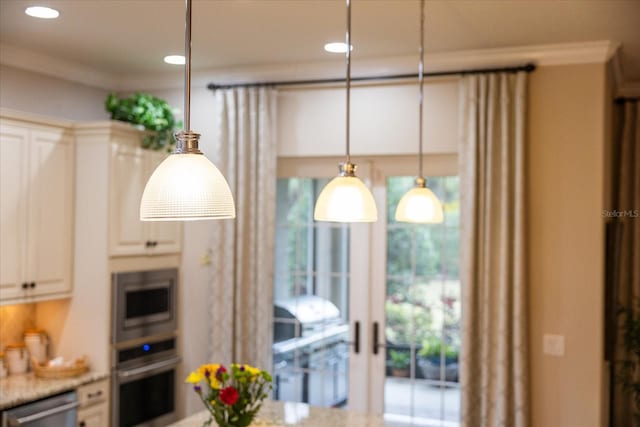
(149, 368)
(40, 415)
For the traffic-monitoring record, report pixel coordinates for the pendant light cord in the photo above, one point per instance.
(348, 56)
(187, 68)
(421, 85)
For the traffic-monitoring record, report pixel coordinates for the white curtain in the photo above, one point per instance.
(242, 249)
(494, 365)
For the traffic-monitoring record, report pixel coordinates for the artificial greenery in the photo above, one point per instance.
(399, 359)
(154, 114)
(630, 366)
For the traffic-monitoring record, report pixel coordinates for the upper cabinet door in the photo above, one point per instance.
(128, 235)
(165, 236)
(51, 211)
(14, 148)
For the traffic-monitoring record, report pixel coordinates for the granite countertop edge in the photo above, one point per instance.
(20, 389)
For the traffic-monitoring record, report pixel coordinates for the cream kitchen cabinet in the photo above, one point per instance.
(121, 167)
(94, 404)
(131, 167)
(36, 210)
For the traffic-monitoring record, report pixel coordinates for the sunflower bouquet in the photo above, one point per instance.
(233, 396)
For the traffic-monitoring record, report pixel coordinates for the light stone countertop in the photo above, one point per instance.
(280, 414)
(18, 389)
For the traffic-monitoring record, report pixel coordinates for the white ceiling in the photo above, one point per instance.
(128, 37)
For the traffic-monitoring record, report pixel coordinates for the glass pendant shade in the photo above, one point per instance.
(346, 199)
(420, 205)
(184, 187)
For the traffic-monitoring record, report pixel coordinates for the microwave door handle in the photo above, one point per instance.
(149, 368)
(15, 422)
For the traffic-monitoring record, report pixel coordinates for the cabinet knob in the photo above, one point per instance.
(155, 244)
(25, 285)
(32, 285)
(82, 424)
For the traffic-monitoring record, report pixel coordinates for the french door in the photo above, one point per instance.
(396, 289)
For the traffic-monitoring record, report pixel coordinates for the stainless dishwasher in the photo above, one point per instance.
(56, 411)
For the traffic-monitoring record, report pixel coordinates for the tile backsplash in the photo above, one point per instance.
(14, 319)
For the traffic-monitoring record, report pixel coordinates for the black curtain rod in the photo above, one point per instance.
(527, 68)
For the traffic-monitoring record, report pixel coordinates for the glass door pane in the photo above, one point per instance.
(422, 311)
(311, 299)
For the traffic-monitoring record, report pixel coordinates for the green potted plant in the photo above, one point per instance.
(431, 356)
(148, 112)
(399, 363)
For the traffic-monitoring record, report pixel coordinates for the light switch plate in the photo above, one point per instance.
(553, 345)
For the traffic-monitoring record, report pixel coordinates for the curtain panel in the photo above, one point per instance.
(494, 366)
(242, 249)
(625, 407)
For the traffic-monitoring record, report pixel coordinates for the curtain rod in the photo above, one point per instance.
(526, 68)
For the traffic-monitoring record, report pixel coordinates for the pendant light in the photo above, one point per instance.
(186, 185)
(420, 204)
(345, 198)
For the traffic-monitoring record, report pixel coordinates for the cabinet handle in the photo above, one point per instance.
(25, 285)
(32, 285)
(96, 394)
(82, 424)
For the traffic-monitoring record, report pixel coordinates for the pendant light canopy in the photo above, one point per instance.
(346, 198)
(186, 186)
(420, 204)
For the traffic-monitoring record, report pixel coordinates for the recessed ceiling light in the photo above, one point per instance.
(42, 12)
(336, 47)
(174, 59)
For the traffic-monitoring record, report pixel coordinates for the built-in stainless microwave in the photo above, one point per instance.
(144, 304)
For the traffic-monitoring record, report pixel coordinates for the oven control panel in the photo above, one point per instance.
(146, 349)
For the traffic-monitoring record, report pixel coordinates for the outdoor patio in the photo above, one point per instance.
(421, 403)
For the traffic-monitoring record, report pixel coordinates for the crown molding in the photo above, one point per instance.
(541, 55)
(623, 88)
(48, 65)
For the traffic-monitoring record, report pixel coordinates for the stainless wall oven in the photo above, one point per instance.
(144, 304)
(145, 359)
(145, 384)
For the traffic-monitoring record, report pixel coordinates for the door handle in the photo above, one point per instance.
(376, 343)
(356, 338)
(149, 368)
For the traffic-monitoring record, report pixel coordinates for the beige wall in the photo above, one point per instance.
(567, 124)
(31, 92)
(384, 119)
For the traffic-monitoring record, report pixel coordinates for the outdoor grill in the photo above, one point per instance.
(310, 351)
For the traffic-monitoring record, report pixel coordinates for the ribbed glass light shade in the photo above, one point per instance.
(419, 205)
(186, 187)
(345, 199)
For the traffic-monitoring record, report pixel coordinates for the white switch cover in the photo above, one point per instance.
(553, 345)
